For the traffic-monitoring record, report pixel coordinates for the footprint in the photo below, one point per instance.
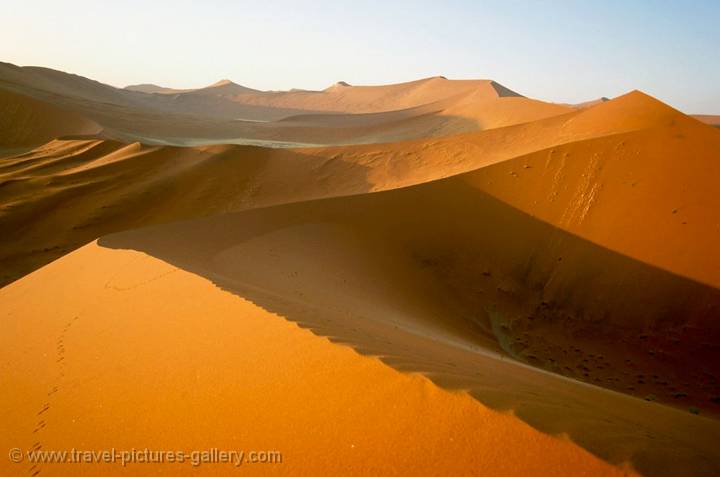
(60, 359)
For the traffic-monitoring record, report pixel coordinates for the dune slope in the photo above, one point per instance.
(228, 112)
(343, 97)
(106, 186)
(712, 120)
(445, 279)
(25, 121)
(154, 89)
(209, 370)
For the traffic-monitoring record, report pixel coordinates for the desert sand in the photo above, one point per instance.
(713, 120)
(162, 358)
(104, 186)
(25, 121)
(523, 287)
(226, 112)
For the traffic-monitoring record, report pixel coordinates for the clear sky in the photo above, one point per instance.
(564, 51)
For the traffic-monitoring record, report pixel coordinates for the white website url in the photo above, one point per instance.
(146, 456)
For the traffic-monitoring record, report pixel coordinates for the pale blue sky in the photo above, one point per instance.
(564, 51)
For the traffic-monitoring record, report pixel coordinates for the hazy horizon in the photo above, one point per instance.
(546, 50)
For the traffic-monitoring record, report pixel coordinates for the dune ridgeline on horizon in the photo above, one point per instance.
(438, 277)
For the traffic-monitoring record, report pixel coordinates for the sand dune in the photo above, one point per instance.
(228, 112)
(342, 97)
(712, 120)
(208, 370)
(574, 179)
(155, 89)
(69, 192)
(444, 273)
(442, 118)
(49, 84)
(107, 186)
(447, 279)
(25, 121)
(105, 103)
(592, 102)
(479, 250)
(224, 88)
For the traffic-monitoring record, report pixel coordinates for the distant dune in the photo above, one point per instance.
(155, 89)
(223, 88)
(587, 104)
(230, 113)
(26, 121)
(343, 97)
(346, 98)
(137, 185)
(708, 119)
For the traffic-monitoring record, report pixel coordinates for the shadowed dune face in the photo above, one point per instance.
(626, 192)
(442, 271)
(712, 120)
(67, 193)
(25, 121)
(154, 89)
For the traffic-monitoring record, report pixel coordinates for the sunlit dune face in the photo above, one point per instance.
(185, 366)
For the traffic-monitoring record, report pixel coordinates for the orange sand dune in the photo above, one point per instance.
(602, 188)
(443, 278)
(56, 85)
(712, 120)
(592, 102)
(155, 89)
(343, 97)
(99, 187)
(209, 370)
(26, 121)
(442, 118)
(96, 187)
(509, 242)
(227, 112)
(430, 107)
(104, 103)
(69, 192)
(224, 88)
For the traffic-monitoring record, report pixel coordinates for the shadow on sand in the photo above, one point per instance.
(414, 276)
